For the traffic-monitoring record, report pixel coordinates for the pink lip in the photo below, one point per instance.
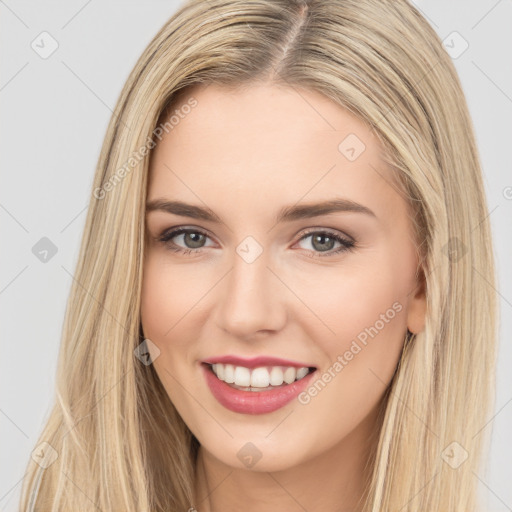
(256, 362)
(254, 402)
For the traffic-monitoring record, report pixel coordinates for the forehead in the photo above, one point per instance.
(267, 144)
(270, 114)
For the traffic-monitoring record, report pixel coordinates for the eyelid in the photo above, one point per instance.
(179, 230)
(331, 231)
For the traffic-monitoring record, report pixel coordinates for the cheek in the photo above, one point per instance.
(172, 313)
(366, 311)
(361, 304)
(154, 302)
(163, 299)
(160, 317)
(163, 317)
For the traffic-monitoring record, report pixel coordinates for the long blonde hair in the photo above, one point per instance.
(118, 440)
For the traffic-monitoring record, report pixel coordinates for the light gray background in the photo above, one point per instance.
(54, 116)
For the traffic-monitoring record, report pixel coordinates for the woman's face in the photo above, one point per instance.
(271, 267)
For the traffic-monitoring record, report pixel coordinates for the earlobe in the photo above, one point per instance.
(417, 307)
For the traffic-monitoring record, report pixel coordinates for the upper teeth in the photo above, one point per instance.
(260, 377)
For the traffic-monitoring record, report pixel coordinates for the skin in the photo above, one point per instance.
(246, 154)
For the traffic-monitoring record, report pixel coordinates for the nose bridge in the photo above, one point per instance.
(251, 299)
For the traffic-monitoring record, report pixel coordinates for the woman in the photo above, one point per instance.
(282, 299)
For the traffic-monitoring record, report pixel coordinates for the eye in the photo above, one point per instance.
(323, 241)
(195, 238)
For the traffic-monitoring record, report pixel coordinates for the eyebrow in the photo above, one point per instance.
(286, 214)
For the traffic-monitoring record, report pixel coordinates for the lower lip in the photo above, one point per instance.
(253, 402)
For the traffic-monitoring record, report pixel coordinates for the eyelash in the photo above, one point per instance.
(166, 236)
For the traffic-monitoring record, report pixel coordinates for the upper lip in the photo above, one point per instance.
(255, 362)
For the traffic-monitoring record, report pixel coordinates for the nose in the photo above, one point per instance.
(252, 299)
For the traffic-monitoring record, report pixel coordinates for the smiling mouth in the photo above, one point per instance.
(264, 378)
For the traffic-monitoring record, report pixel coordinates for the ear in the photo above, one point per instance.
(417, 306)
